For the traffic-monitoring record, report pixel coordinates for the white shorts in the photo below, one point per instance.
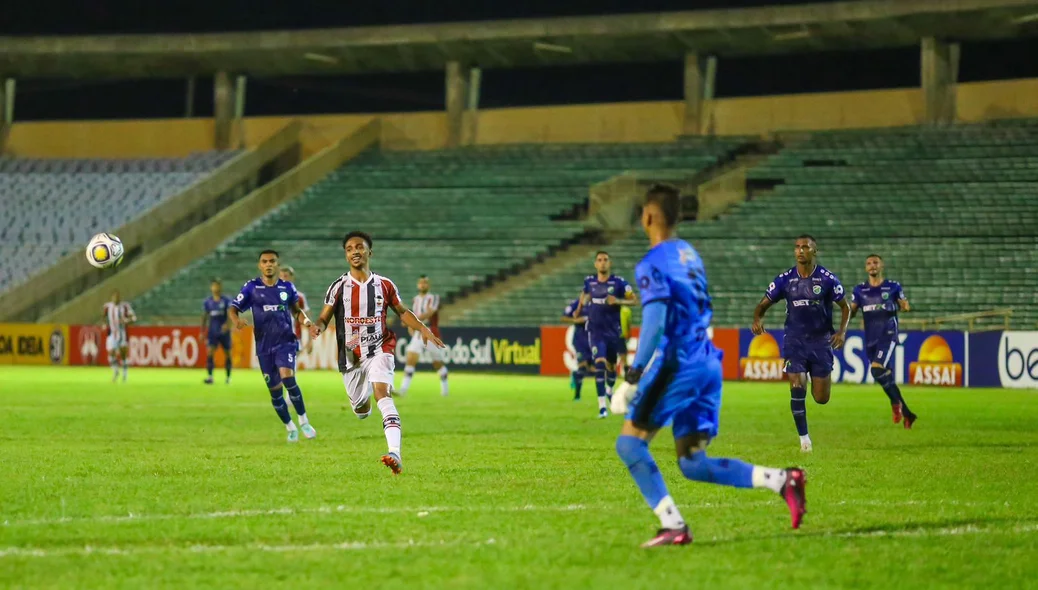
(358, 380)
(116, 340)
(417, 346)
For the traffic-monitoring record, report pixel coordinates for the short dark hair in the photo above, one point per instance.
(215, 281)
(357, 234)
(668, 199)
(420, 277)
(874, 256)
(269, 251)
(601, 252)
(807, 237)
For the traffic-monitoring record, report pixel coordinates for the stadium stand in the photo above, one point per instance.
(953, 211)
(462, 216)
(52, 206)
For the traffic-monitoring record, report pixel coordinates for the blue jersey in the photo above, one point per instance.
(809, 302)
(603, 320)
(879, 307)
(216, 309)
(271, 312)
(672, 272)
(579, 332)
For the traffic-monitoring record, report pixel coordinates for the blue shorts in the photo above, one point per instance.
(282, 356)
(688, 398)
(220, 339)
(881, 351)
(813, 358)
(582, 348)
(605, 347)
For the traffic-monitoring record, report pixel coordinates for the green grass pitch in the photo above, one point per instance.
(167, 483)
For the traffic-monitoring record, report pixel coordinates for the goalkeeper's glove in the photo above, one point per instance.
(625, 392)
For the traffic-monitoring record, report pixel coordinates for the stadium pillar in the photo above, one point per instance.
(457, 87)
(223, 110)
(7, 91)
(472, 108)
(699, 91)
(939, 72)
(189, 98)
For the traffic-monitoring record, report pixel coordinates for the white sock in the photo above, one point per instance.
(603, 402)
(290, 426)
(408, 375)
(805, 439)
(444, 388)
(303, 419)
(390, 423)
(769, 477)
(670, 518)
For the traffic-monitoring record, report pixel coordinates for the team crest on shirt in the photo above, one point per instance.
(610, 290)
(885, 296)
(284, 296)
(817, 289)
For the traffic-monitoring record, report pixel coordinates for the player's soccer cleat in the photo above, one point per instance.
(805, 446)
(392, 461)
(910, 420)
(794, 492)
(208, 381)
(896, 410)
(293, 436)
(665, 537)
(603, 413)
(308, 431)
(228, 381)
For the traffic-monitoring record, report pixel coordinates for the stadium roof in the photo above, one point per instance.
(519, 43)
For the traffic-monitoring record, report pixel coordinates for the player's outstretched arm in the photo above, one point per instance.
(238, 321)
(300, 314)
(854, 309)
(840, 336)
(758, 315)
(323, 319)
(904, 305)
(410, 320)
(653, 323)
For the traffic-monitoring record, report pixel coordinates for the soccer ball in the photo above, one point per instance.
(104, 251)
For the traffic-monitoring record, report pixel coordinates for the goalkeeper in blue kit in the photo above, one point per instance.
(675, 379)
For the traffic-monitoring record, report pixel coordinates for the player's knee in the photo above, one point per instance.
(821, 392)
(600, 367)
(286, 373)
(277, 391)
(694, 466)
(630, 449)
(882, 375)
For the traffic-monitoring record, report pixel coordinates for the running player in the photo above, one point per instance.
(358, 301)
(601, 302)
(580, 346)
(117, 315)
(217, 328)
(675, 380)
(427, 307)
(810, 292)
(880, 300)
(288, 274)
(273, 303)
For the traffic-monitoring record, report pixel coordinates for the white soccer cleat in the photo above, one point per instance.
(805, 446)
(308, 431)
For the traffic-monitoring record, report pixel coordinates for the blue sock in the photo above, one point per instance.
(209, 365)
(726, 472)
(295, 395)
(610, 379)
(578, 381)
(600, 378)
(634, 452)
(798, 406)
(885, 378)
(277, 399)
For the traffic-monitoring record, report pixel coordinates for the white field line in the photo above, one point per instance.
(251, 547)
(425, 511)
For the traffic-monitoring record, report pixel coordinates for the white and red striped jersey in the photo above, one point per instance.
(423, 304)
(360, 317)
(117, 314)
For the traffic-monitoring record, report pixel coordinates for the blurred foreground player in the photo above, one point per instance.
(216, 328)
(358, 301)
(273, 303)
(426, 306)
(675, 380)
(601, 299)
(117, 316)
(581, 348)
(880, 300)
(810, 292)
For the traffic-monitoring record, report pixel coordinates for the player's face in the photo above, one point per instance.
(423, 286)
(286, 276)
(804, 251)
(357, 253)
(873, 266)
(268, 265)
(215, 289)
(603, 264)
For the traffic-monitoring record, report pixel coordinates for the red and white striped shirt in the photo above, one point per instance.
(117, 314)
(423, 304)
(360, 317)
